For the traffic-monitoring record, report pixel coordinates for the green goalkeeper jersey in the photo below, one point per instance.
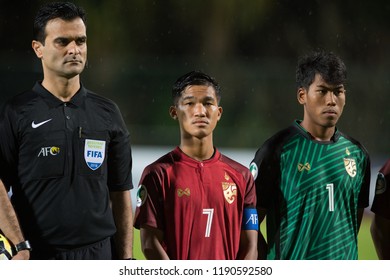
(312, 191)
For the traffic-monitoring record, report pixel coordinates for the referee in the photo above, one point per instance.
(65, 151)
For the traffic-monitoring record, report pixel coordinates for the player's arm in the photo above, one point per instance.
(9, 223)
(248, 236)
(123, 217)
(262, 247)
(380, 232)
(248, 245)
(151, 243)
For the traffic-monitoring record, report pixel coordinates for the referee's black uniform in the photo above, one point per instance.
(62, 159)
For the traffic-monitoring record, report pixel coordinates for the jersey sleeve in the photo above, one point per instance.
(8, 149)
(265, 172)
(364, 195)
(381, 203)
(250, 195)
(150, 208)
(119, 158)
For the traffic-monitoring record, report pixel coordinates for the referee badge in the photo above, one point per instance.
(350, 166)
(94, 153)
(380, 184)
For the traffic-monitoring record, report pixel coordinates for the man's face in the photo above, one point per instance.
(64, 53)
(323, 103)
(197, 111)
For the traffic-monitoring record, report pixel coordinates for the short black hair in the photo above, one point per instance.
(63, 10)
(194, 78)
(330, 66)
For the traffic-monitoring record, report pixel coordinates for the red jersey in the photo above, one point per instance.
(381, 203)
(198, 205)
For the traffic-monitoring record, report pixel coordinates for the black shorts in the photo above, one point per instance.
(100, 250)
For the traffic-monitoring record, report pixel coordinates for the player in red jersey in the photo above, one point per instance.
(194, 202)
(380, 227)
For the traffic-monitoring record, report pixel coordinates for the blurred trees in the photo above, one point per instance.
(138, 48)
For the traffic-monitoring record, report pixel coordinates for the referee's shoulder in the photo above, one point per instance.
(21, 99)
(101, 99)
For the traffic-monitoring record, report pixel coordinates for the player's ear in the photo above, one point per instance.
(173, 112)
(220, 110)
(301, 95)
(37, 47)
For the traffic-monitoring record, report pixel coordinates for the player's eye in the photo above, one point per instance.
(62, 41)
(81, 41)
(322, 91)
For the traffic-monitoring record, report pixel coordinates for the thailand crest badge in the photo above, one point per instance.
(230, 192)
(350, 166)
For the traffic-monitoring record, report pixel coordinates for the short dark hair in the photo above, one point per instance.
(193, 78)
(331, 68)
(63, 10)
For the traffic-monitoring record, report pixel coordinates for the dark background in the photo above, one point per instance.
(137, 49)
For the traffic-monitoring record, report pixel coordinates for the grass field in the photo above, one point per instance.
(366, 246)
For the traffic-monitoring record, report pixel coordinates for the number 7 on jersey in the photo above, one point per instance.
(209, 212)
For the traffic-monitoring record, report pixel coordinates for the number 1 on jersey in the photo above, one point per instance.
(330, 188)
(209, 212)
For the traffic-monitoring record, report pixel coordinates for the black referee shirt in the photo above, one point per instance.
(62, 159)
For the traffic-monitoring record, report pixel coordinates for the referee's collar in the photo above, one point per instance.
(76, 100)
